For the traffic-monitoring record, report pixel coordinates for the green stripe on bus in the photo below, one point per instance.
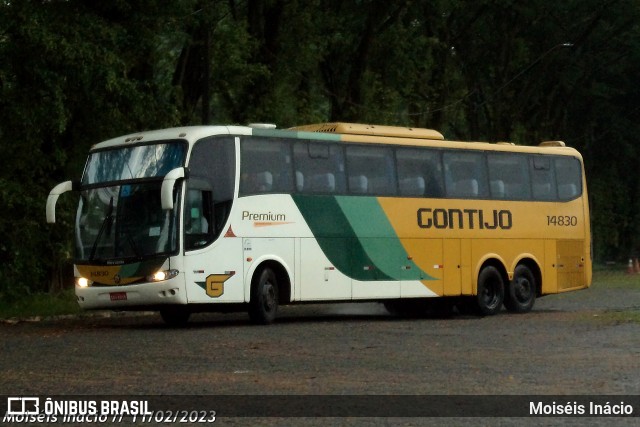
(379, 239)
(336, 237)
(356, 236)
(283, 133)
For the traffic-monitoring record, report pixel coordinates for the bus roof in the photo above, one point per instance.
(189, 133)
(354, 132)
(337, 131)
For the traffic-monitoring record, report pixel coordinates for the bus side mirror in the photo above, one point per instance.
(168, 183)
(59, 189)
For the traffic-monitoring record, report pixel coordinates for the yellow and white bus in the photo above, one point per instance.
(225, 217)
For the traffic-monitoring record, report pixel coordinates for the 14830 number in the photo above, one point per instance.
(562, 220)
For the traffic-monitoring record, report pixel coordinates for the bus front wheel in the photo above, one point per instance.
(490, 294)
(263, 305)
(521, 293)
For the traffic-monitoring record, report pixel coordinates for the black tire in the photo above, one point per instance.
(522, 290)
(263, 306)
(490, 294)
(177, 317)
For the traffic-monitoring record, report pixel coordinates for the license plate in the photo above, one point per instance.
(118, 296)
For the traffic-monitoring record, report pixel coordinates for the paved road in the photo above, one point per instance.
(570, 344)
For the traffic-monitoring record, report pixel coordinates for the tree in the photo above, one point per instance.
(72, 74)
(76, 72)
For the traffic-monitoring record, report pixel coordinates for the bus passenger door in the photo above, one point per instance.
(212, 264)
(214, 274)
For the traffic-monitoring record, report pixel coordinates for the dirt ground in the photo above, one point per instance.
(579, 343)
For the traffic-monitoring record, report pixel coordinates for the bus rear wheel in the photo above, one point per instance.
(521, 292)
(490, 294)
(263, 305)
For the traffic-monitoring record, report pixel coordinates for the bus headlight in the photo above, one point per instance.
(83, 282)
(162, 275)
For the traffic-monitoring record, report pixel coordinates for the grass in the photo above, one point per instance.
(615, 278)
(44, 304)
(621, 316)
(40, 305)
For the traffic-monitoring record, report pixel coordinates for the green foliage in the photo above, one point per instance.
(39, 305)
(72, 73)
(619, 316)
(78, 71)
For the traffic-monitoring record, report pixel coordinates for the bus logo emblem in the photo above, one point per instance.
(214, 285)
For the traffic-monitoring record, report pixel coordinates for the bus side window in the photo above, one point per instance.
(319, 167)
(264, 182)
(569, 177)
(371, 170)
(509, 176)
(196, 221)
(266, 166)
(542, 178)
(413, 186)
(419, 172)
(466, 174)
(209, 190)
(199, 218)
(204, 217)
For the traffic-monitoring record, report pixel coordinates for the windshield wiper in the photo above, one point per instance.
(106, 224)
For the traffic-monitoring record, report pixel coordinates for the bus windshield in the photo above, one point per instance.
(142, 161)
(124, 222)
(120, 215)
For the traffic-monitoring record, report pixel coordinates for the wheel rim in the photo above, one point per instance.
(268, 296)
(522, 289)
(490, 294)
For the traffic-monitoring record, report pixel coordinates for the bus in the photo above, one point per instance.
(218, 218)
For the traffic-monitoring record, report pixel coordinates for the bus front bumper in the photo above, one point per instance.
(140, 295)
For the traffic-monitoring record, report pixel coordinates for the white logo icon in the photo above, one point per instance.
(23, 405)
